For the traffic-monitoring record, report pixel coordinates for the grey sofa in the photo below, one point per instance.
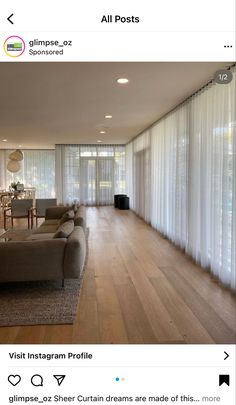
(48, 253)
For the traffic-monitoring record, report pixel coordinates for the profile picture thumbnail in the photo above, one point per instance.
(14, 46)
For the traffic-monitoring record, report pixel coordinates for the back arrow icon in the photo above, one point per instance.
(226, 355)
(9, 18)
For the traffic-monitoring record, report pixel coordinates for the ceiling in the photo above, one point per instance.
(42, 104)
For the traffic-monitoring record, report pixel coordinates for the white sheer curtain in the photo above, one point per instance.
(120, 170)
(86, 166)
(211, 230)
(192, 185)
(89, 174)
(37, 170)
(169, 147)
(129, 173)
(67, 173)
(141, 177)
(232, 231)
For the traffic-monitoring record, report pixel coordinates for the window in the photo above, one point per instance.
(192, 178)
(90, 174)
(37, 170)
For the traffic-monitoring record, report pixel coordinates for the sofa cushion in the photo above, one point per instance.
(65, 229)
(55, 212)
(44, 228)
(67, 216)
(52, 222)
(40, 236)
(75, 207)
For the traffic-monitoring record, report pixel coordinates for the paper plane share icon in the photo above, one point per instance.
(60, 378)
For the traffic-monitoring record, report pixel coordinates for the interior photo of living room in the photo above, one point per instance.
(118, 203)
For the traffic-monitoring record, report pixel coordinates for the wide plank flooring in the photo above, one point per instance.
(138, 288)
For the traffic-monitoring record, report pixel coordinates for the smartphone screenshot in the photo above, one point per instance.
(118, 202)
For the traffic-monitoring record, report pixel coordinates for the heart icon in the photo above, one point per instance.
(14, 379)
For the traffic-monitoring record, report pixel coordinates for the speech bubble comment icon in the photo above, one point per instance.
(37, 380)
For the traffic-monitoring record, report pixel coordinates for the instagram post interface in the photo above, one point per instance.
(118, 202)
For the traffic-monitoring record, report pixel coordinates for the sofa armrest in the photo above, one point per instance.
(75, 253)
(55, 212)
(80, 217)
(32, 260)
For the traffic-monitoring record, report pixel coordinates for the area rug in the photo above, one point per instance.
(36, 303)
(41, 302)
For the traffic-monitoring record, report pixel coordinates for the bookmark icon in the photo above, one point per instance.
(224, 379)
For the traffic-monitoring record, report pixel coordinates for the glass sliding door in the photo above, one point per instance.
(96, 181)
(90, 174)
(88, 181)
(105, 180)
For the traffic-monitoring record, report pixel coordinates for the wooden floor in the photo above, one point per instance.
(139, 288)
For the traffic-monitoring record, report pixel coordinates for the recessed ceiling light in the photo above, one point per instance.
(122, 80)
(99, 141)
(102, 132)
(4, 140)
(20, 146)
(108, 116)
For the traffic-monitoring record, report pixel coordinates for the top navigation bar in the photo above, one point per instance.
(148, 15)
(121, 30)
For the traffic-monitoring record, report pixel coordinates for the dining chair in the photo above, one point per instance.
(5, 200)
(41, 204)
(19, 209)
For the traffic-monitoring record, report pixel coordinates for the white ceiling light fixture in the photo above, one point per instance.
(16, 155)
(108, 116)
(102, 132)
(4, 140)
(122, 80)
(13, 166)
(99, 141)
